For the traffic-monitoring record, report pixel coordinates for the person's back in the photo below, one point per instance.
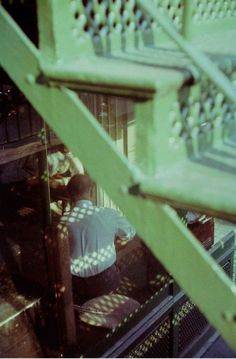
(92, 231)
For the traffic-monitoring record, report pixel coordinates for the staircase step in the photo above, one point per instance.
(218, 42)
(117, 74)
(205, 183)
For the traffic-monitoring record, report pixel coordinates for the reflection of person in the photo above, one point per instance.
(92, 231)
(61, 166)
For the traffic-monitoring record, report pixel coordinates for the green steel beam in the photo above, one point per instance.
(57, 32)
(188, 7)
(154, 151)
(198, 57)
(203, 280)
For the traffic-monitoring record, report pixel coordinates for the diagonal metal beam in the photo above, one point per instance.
(198, 57)
(203, 280)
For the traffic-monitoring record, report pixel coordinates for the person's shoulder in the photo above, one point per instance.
(110, 211)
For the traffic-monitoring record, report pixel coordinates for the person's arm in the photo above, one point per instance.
(75, 164)
(124, 230)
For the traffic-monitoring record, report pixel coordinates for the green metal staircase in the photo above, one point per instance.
(167, 56)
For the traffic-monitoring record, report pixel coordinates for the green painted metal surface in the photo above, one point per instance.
(157, 223)
(198, 58)
(188, 8)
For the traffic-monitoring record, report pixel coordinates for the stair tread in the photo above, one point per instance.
(120, 70)
(219, 42)
(206, 182)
